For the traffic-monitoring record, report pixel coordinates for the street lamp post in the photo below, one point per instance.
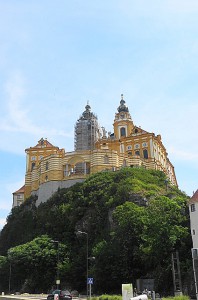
(10, 272)
(87, 258)
(57, 268)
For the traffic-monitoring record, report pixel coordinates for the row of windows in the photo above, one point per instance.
(137, 146)
(34, 157)
(130, 153)
(106, 158)
(46, 165)
(137, 153)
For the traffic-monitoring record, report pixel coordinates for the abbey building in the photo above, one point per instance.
(49, 168)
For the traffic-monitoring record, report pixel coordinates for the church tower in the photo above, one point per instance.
(123, 124)
(49, 168)
(87, 130)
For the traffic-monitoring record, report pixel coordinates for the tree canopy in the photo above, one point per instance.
(132, 218)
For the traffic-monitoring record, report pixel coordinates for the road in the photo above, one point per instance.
(24, 297)
(31, 296)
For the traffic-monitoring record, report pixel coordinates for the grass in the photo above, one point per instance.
(119, 297)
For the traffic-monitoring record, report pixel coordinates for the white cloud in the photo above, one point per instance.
(17, 124)
(16, 118)
(2, 222)
(160, 8)
(15, 93)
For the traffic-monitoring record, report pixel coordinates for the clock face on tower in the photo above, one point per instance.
(122, 116)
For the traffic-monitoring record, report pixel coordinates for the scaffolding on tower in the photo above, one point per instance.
(87, 130)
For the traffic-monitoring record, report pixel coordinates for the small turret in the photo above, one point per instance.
(122, 106)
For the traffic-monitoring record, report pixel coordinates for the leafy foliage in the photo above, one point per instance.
(131, 218)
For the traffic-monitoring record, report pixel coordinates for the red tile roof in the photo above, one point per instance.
(21, 190)
(194, 198)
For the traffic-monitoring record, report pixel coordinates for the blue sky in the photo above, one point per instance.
(57, 55)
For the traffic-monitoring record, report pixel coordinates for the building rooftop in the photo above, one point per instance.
(194, 197)
(21, 190)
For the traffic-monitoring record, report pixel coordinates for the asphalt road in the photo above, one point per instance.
(31, 296)
(24, 297)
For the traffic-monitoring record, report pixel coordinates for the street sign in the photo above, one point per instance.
(89, 280)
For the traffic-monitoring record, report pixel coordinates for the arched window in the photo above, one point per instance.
(47, 165)
(122, 131)
(33, 165)
(137, 152)
(145, 153)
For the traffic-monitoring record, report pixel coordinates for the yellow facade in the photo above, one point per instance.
(128, 145)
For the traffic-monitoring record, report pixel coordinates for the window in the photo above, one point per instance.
(79, 168)
(144, 144)
(129, 147)
(123, 131)
(192, 207)
(195, 253)
(33, 165)
(19, 196)
(137, 152)
(193, 231)
(137, 146)
(47, 166)
(106, 159)
(124, 163)
(33, 158)
(129, 153)
(145, 153)
(19, 203)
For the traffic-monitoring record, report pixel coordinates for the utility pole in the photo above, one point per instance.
(176, 274)
(87, 257)
(195, 268)
(57, 267)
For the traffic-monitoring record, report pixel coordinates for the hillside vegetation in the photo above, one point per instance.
(133, 218)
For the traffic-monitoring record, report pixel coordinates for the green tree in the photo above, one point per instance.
(4, 270)
(166, 229)
(133, 217)
(31, 259)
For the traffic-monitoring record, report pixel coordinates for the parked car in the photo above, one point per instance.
(75, 293)
(62, 294)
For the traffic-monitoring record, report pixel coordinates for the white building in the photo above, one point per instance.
(18, 197)
(193, 209)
